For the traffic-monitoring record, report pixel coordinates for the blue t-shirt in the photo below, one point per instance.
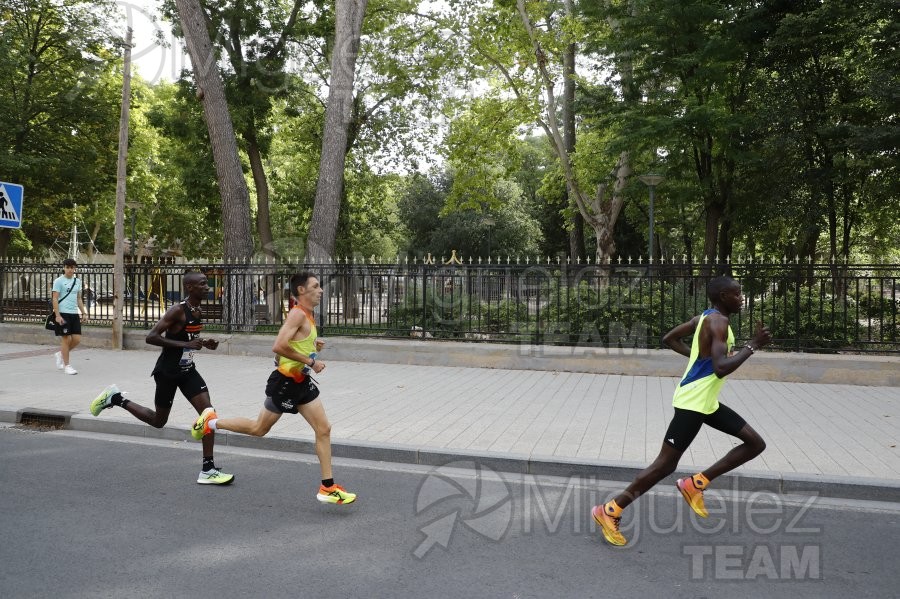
(62, 285)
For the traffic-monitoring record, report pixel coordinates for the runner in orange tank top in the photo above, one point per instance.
(291, 388)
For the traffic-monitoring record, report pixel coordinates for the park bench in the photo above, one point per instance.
(213, 312)
(29, 308)
(261, 314)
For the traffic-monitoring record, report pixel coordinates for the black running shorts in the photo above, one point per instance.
(284, 395)
(72, 325)
(190, 383)
(686, 424)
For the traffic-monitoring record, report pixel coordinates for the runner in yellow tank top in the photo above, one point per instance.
(699, 387)
(696, 403)
(290, 388)
(307, 347)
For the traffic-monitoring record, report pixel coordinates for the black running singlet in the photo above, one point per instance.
(174, 361)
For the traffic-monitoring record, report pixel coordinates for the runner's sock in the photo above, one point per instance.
(117, 400)
(328, 483)
(612, 508)
(700, 480)
(208, 464)
(212, 424)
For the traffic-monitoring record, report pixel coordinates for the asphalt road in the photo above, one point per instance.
(104, 516)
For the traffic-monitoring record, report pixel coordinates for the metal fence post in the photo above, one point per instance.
(2, 285)
(797, 279)
(424, 300)
(537, 314)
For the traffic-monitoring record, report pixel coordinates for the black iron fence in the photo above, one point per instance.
(809, 307)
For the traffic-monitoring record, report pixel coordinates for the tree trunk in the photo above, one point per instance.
(263, 221)
(5, 239)
(93, 235)
(725, 242)
(577, 247)
(576, 234)
(237, 235)
(238, 239)
(597, 213)
(848, 220)
(338, 115)
(710, 238)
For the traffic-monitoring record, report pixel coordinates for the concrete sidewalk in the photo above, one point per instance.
(830, 439)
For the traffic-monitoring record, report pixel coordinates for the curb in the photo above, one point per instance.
(839, 487)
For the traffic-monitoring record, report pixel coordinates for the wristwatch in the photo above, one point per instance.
(751, 348)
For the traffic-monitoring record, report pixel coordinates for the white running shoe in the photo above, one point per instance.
(59, 361)
(69, 370)
(215, 477)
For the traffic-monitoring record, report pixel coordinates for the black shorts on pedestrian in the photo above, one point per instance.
(686, 424)
(72, 325)
(190, 383)
(284, 395)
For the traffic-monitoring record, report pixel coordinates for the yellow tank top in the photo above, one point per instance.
(699, 388)
(306, 346)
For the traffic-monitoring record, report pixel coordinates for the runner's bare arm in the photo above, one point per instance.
(55, 301)
(81, 308)
(723, 364)
(172, 320)
(674, 339)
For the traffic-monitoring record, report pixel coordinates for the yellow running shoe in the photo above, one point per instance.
(692, 495)
(335, 494)
(201, 426)
(609, 525)
(104, 400)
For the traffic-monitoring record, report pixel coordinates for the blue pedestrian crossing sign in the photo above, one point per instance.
(11, 205)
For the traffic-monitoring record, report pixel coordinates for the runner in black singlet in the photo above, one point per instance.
(178, 333)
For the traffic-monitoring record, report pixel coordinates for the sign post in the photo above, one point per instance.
(10, 218)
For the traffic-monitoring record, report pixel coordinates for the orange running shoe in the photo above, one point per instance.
(201, 426)
(335, 494)
(692, 495)
(609, 525)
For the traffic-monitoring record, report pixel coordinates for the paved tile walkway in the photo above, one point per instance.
(811, 429)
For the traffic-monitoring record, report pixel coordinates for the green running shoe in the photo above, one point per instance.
(104, 400)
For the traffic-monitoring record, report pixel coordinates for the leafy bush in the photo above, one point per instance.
(508, 315)
(875, 304)
(823, 321)
(623, 311)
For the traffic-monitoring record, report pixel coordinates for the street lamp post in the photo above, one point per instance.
(651, 180)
